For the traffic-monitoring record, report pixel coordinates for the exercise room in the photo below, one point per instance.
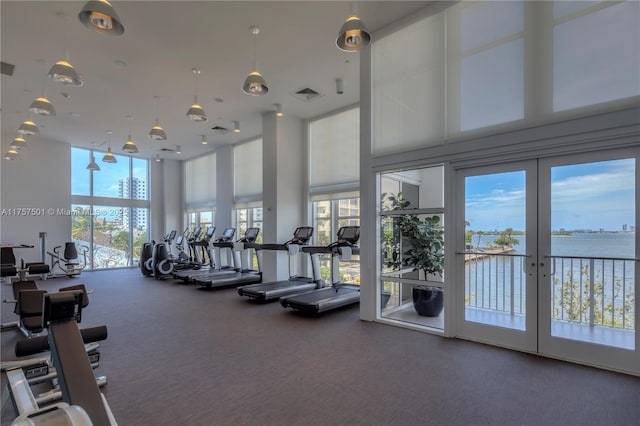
(320, 213)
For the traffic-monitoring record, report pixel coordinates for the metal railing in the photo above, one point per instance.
(594, 291)
(495, 282)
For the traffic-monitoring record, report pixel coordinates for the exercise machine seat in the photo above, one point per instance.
(70, 253)
(8, 266)
(81, 288)
(29, 308)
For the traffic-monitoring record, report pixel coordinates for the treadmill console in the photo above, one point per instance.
(302, 234)
(349, 234)
(228, 234)
(251, 234)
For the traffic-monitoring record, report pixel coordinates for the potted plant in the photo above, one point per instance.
(421, 247)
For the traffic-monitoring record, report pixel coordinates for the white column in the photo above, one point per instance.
(283, 189)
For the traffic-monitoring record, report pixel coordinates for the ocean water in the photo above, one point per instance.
(618, 245)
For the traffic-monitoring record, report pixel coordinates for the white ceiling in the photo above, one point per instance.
(163, 41)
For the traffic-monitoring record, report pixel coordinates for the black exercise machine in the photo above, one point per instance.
(224, 243)
(338, 294)
(264, 292)
(83, 404)
(242, 255)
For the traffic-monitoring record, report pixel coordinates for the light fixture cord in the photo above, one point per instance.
(157, 110)
(255, 52)
(66, 48)
(196, 72)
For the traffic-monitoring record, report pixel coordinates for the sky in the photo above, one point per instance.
(593, 196)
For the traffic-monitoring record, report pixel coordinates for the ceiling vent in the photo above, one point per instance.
(167, 150)
(7, 69)
(220, 129)
(306, 94)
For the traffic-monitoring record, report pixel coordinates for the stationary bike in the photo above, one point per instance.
(68, 263)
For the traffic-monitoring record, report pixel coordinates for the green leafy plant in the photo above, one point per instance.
(421, 245)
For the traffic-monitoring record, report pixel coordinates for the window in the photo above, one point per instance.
(328, 217)
(200, 182)
(248, 218)
(482, 66)
(411, 243)
(110, 208)
(247, 173)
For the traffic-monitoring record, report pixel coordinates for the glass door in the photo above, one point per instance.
(550, 257)
(498, 303)
(588, 257)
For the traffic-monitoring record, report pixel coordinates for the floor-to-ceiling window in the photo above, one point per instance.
(110, 208)
(334, 142)
(247, 187)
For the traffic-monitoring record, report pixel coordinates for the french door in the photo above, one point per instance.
(550, 257)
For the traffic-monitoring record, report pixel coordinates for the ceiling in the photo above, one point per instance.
(163, 41)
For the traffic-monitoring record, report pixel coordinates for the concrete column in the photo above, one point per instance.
(283, 196)
(224, 188)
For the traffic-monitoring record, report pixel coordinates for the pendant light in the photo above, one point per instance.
(353, 34)
(130, 146)
(109, 157)
(178, 150)
(254, 84)
(157, 158)
(99, 15)
(279, 112)
(236, 127)
(28, 128)
(18, 143)
(42, 105)
(204, 140)
(195, 112)
(62, 71)
(93, 166)
(157, 133)
(11, 154)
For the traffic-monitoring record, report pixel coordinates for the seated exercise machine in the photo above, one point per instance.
(68, 263)
(338, 294)
(243, 263)
(223, 243)
(83, 403)
(27, 299)
(269, 291)
(10, 270)
(146, 254)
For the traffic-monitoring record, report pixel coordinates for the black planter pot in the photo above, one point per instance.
(428, 301)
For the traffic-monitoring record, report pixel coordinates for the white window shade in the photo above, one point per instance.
(247, 171)
(334, 152)
(408, 78)
(200, 181)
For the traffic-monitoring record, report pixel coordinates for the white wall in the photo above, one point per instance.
(39, 179)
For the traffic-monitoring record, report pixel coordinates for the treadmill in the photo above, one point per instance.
(224, 242)
(339, 294)
(270, 291)
(241, 254)
(197, 263)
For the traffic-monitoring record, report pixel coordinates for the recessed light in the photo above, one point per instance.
(74, 114)
(65, 95)
(120, 63)
(219, 100)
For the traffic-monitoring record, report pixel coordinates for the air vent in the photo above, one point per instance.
(220, 129)
(306, 94)
(167, 150)
(7, 69)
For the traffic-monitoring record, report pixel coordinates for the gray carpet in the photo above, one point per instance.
(177, 355)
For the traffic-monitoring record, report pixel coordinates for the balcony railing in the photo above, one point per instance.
(592, 291)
